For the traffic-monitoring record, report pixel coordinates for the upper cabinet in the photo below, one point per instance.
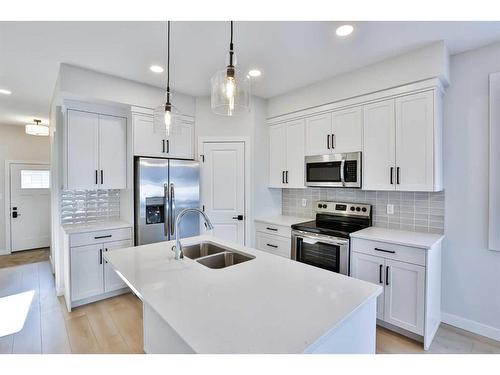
(286, 155)
(335, 132)
(402, 143)
(148, 142)
(96, 149)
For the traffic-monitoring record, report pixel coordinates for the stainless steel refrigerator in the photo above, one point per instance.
(163, 187)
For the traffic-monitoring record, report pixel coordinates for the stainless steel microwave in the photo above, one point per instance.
(334, 170)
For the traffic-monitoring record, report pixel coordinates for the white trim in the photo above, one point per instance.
(471, 326)
(425, 85)
(8, 163)
(248, 176)
(494, 153)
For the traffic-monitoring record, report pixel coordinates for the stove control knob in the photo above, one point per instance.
(324, 206)
(352, 208)
(363, 209)
(319, 205)
(358, 209)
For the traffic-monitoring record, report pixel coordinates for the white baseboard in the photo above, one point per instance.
(4, 252)
(471, 326)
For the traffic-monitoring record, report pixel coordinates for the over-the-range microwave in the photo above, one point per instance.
(334, 170)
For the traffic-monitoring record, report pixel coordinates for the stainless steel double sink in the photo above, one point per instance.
(214, 256)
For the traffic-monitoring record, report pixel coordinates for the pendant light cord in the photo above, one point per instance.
(231, 47)
(168, 61)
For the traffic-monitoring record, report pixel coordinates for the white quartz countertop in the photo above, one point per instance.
(266, 305)
(282, 220)
(105, 225)
(399, 237)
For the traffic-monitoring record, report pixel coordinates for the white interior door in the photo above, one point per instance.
(29, 206)
(223, 188)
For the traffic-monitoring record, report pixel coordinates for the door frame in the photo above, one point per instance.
(8, 163)
(248, 183)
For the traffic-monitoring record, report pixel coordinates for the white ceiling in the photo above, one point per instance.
(290, 54)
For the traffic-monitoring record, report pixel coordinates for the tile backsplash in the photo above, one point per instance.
(413, 211)
(89, 206)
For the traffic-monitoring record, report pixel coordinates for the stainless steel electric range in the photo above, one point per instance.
(324, 242)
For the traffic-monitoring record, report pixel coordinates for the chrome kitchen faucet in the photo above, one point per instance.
(178, 247)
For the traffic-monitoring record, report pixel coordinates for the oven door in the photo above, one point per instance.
(330, 253)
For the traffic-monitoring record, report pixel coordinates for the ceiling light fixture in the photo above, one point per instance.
(166, 114)
(344, 30)
(156, 69)
(5, 92)
(37, 129)
(230, 88)
(254, 73)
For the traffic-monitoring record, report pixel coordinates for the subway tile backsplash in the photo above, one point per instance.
(89, 206)
(413, 211)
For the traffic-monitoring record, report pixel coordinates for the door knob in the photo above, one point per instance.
(239, 217)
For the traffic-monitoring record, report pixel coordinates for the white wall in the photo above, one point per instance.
(471, 272)
(253, 126)
(90, 85)
(424, 63)
(17, 145)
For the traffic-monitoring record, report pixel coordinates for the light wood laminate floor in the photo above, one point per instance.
(115, 325)
(24, 257)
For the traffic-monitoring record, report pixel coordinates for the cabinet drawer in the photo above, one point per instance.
(276, 230)
(101, 236)
(274, 244)
(406, 254)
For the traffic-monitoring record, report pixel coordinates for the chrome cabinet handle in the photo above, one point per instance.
(166, 212)
(172, 213)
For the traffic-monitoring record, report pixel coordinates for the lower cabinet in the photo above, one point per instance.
(91, 277)
(273, 239)
(411, 281)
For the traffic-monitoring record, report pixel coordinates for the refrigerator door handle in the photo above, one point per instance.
(172, 211)
(166, 209)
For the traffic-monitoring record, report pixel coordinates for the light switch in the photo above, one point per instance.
(390, 209)
(304, 202)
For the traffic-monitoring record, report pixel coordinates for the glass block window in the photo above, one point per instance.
(35, 179)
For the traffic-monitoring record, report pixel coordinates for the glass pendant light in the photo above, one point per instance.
(230, 88)
(166, 115)
(36, 129)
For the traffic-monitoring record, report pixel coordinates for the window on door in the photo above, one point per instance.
(35, 179)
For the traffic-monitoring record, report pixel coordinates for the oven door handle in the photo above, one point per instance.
(342, 177)
(313, 239)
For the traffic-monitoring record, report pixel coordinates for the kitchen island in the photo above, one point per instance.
(267, 304)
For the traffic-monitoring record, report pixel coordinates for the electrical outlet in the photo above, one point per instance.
(390, 209)
(304, 202)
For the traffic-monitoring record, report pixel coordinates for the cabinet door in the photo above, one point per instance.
(86, 271)
(379, 148)
(318, 134)
(371, 269)
(82, 150)
(294, 173)
(346, 130)
(111, 280)
(147, 142)
(415, 141)
(404, 295)
(274, 245)
(277, 156)
(112, 152)
(180, 141)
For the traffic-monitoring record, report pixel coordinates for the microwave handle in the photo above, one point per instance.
(342, 166)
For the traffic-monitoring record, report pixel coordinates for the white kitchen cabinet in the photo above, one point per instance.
(86, 271)
(335, 132)
(404, 295)
(411, 277)
(96, 149)
(286, 155)
(370, 268)
(273, 244)
(151, 141)
(82, 164)
(379, 146)
(112, 281)
(90, 277)
(402, 143)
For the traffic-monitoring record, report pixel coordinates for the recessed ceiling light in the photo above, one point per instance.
(5, 92)
(254, 73)
(156, 69)
(344, 30)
